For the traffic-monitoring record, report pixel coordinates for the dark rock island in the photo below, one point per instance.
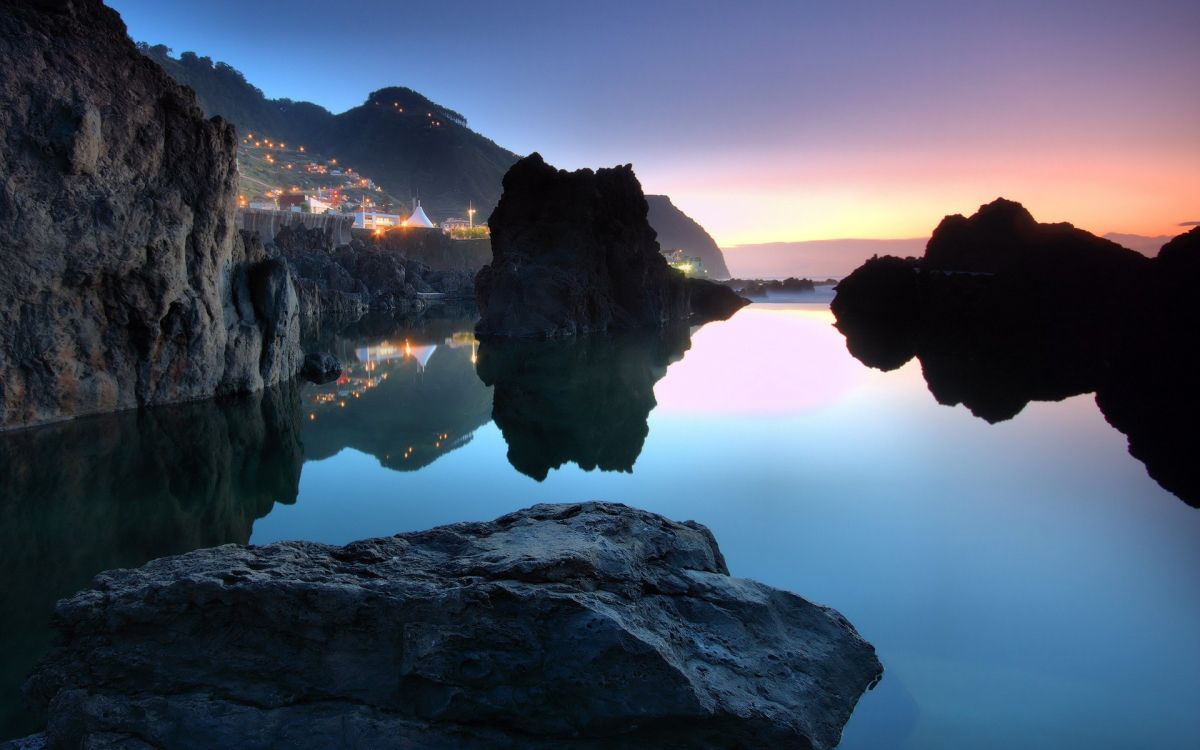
(573, 252)
(1002, 310)
(125, 283)
(589, 625)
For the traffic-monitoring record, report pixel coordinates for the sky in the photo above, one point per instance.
(774, 121)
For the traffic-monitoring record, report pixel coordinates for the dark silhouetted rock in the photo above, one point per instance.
(675, 229)
(321, 367)
(584, 400)
(764, 289)
(125, 282)
(572, 253)
(1003, 310)
(589, 625)
(712, 301)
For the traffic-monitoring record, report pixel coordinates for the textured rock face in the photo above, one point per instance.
(1003, 310)
(590, 625)
(572, 253)
(125, 283)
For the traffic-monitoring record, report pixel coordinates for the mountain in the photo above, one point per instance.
(411, 146)
(816, 259)
(678, 230)
(408, 145)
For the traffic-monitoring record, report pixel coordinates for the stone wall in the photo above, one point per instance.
(266, 224)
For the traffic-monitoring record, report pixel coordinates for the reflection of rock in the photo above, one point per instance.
(125, 283)
(119, 489)
(1002, 311)
(591, 625)
(584, 400)
(406, 396)
(572, 252)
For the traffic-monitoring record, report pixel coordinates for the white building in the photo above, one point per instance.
(418, 218)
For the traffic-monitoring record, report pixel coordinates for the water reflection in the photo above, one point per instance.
(406, 397)
(584, 400)
(1145, 380)
(118, 490)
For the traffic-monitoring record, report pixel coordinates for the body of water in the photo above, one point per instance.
(1026, 584)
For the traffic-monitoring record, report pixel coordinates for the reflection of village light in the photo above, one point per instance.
(312, 416)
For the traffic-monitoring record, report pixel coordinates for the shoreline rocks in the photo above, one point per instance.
(583, 625)
(572, 253)
(1003, 310)
(127, 283)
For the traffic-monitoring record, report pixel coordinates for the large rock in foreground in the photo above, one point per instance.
(590, 625)
(573, 252)
(125, 282)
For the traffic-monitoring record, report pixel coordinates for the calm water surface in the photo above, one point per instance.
(1026, 584)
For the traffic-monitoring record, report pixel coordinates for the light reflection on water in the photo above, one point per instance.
(1027, 584)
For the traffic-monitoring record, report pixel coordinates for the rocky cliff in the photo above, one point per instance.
(125, 282)
(592, 625)
(1003, 310)
(573, 252)
(676, 229)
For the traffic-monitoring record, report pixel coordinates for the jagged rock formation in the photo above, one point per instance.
(767, 288)
(126, 283)
(340, 286)
(1003, 310)
(572, 253)
(675, 229)
(590, 625)
(155, 482)
(584, 400)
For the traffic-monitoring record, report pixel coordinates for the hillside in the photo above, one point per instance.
(409, 145)
(398, 142)
(678, 230)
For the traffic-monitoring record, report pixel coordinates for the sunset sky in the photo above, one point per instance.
(775, 120)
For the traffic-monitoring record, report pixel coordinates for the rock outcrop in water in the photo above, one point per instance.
(125, 281)
(583, 400)
(590, 625)
(338, 286)
(572, 252)
(1003, 310)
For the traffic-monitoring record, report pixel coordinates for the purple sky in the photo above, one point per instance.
(775, 120)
